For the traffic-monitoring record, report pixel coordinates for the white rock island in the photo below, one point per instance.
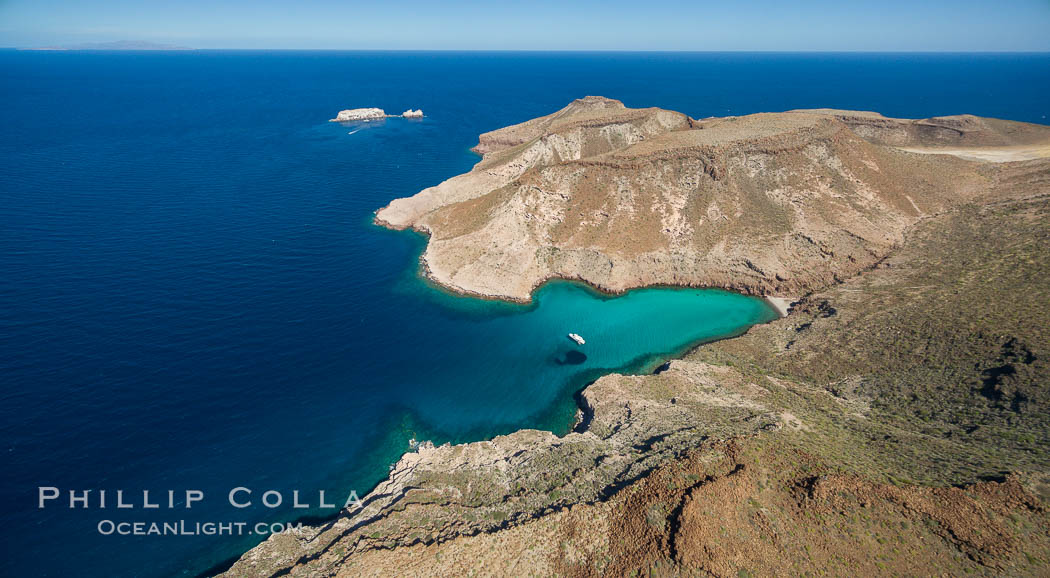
(353, 114)
(360, 114)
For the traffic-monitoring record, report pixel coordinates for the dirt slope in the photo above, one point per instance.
(781, 203)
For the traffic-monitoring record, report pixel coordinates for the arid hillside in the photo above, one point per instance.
(780, 203)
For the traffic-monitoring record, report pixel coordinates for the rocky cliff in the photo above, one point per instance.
(779, 203)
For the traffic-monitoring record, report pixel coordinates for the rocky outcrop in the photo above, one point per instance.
(356, 114)
(629, 426)
(753, 508)
(412, 113)
(964, 130)
(765, 204)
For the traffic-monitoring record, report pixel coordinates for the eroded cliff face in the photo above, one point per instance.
(780, 203)
(751, 508)
(629, 426)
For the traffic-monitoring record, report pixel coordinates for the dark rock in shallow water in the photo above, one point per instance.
(571, 357)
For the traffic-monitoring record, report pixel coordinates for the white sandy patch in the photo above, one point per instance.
(916, 207)
(781, 304)
(793, 422)
(990, 154)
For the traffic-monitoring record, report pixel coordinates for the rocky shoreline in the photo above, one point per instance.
(775, 204)
(627, 424)
(780, 304)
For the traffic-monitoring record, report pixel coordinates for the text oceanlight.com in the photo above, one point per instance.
(183, 528)
(240, 497)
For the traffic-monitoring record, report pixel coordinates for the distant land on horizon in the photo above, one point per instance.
(118, 45)
(145, 45)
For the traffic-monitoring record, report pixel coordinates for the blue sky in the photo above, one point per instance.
(925, 25)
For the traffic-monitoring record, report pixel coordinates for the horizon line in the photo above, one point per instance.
(59, 48)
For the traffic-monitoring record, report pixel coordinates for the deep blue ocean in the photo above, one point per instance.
(193, 297)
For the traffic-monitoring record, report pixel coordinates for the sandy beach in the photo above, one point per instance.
(781, 304)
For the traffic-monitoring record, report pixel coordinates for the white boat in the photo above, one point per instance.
(576, 337)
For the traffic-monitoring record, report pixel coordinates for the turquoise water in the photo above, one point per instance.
(626, 333)
(192, 294)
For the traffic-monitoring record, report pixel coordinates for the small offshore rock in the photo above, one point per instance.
(353, 114)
